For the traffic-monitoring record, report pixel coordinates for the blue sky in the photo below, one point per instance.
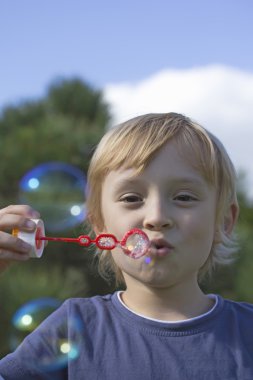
(114, 41)
(188, 56)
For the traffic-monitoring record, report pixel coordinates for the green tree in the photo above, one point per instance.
(64, 125)
(235, 281)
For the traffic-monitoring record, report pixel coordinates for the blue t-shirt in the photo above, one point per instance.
(104, 340)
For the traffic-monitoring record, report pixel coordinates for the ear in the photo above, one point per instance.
(231, 218)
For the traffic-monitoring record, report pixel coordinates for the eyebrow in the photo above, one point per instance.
(128, 182)
(175, 181)
(189, 180)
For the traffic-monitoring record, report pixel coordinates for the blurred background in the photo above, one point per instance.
(71, 70)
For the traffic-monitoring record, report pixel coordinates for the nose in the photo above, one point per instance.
(157, 217)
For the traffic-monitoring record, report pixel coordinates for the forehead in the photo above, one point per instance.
(189, 149)
(171, 160)
(168, 164)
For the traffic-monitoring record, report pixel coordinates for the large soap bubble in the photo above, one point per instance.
(57, 191)
(62, 347)
(29, 316)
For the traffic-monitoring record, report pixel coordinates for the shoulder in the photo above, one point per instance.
(77, 317)
(240, 306)
(88, 309)
(80, 311)
(239, 310)
(93, 303)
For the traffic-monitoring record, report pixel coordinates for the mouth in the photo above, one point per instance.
(160, 248)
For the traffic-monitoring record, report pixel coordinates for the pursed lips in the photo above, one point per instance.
(159, 247)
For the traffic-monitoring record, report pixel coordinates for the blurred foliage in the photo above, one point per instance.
(65, 126)
(235, 281)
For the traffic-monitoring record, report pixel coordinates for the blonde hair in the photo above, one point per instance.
(134, 143)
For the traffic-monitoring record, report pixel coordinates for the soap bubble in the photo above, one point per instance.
(150, 261)
(62, 347)
(57, 191)
(29, 316)
(135, 243)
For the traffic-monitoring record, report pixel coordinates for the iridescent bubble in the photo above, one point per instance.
(29, 316)
(57, 191)
(63, 341)
(63, 347)
(148, 260)
(136, 244)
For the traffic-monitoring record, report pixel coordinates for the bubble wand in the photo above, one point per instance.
(135, 243)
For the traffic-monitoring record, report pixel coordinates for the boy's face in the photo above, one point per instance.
(174, 205)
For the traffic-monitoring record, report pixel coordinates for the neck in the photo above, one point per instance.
(177, 302)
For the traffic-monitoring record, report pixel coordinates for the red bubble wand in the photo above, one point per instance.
(135, 243)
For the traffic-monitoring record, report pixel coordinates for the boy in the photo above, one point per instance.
(168, 176)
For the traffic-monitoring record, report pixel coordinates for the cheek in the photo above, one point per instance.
(118, 256)
(116, 220)
(198, 236)
(109, 217)
(121, 260)
(127, 264)
(199, 227)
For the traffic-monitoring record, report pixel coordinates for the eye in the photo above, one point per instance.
(185, 198)
(131, 198)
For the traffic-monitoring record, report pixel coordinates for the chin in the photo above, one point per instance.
(153, 280)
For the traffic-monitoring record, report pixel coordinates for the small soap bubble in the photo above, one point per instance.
(136, 245)
(63, 341)
(57, 191)
(106, 242)
(29, 316)
(84, 241)
(64, 346)
(148, 260)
